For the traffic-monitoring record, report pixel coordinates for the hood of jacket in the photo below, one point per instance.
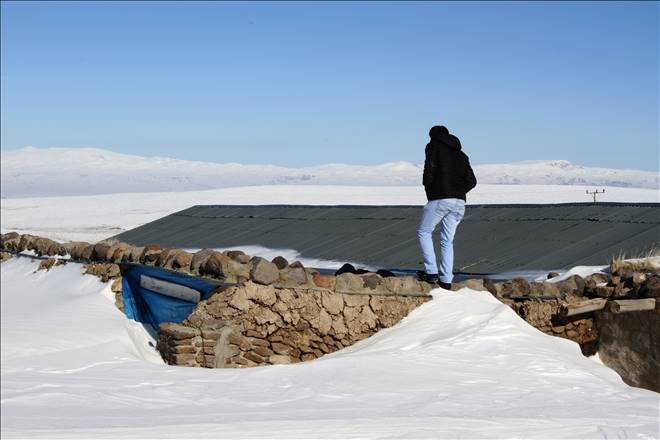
(440, 136)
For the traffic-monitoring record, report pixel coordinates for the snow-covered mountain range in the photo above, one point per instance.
(31, 172)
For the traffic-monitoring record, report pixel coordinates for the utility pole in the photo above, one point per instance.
(593, 193)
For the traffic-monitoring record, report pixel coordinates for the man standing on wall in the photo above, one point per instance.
(448, 176)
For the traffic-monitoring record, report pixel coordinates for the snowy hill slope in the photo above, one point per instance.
(32, 172)
(460, 366)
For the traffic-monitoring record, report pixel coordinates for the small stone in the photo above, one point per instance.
(279, 359)
(178, 331)
(308, 357)
(332, 302)
(263, 271)
(281, 348)
(324, 281)
(238, 256)
(280, 262)
(254, 357)
(553, 275)
(263, 351)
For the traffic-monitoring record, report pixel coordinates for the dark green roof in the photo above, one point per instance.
(491, 238)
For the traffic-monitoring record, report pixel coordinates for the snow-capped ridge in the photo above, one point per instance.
(35, 172)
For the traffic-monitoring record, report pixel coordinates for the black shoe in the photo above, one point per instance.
(431, 278)
(446, 286)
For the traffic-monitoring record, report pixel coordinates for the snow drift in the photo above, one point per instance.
(462, 365)
(32, 172)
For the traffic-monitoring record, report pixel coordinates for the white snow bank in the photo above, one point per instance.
(462, 365)
(94, 218)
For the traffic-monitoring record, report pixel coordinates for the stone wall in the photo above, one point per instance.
(253, 324)
(283, 312)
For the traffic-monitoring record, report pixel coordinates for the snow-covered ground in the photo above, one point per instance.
(460, 366)
(93, 218)
(37, 172)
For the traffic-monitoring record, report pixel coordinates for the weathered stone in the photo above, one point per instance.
(308, 357)
(239, 300)
(263, 271)
(135, 253)
(296, 264)
(332, 302)
(4, 256)
(254, 357)
(371, 281)
(150, 254)
(573, 285)
(650, 288)
(324, 281)
(199, 259)
(163, 257)
(181, 260)
(293, 276)
(238, 256)
(603, 291)
(279, 359)
(552, 275)
(324, 322)
(260, 294)
(264, 352)
(50, 263)
(356, 300)
(280, 348)
(473, 284)
(258, 342)
(545, 290)
(240, 341)
(216, 265)
(349, 282)
(178, 331)
(280, 262)
(185, 349)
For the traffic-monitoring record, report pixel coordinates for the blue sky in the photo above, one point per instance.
(310, 83)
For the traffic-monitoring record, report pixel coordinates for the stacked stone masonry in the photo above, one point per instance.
(282, 312)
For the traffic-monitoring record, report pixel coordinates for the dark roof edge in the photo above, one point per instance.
(508, 205)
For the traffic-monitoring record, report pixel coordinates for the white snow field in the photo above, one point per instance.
(461, 366)
(37, 172)
(94, 218)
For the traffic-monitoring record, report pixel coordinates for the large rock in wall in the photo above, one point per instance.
(255, 324)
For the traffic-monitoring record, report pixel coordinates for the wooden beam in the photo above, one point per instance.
(631, 305)
(590, 305)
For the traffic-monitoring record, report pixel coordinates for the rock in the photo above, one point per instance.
(261, 294)
(546, 290)
(552, 275)
(520, 287)
(573, 285)
(238, 256)
(385, 273)
(371, 281)
(163, 256)
(603, 291)
(406, 285)
(177, 331)
(324, 281)
(346, 268)
(349, 282)
(216, 265)
(280, 262)
(239, 300)
(472, 284)
(292, 276)
(254, 357)
(4, 256)
(325, 322)
(332, 302)
(181, 260)
(651, 288)
(105, 271)
(87, 253)
(135, 253)
(100, 252)
(50, 263)
(199, 259)
(280, 359)
(263, 271)
(150, 254)
(296, 264)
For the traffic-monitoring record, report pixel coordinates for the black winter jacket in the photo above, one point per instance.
(447, 170)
